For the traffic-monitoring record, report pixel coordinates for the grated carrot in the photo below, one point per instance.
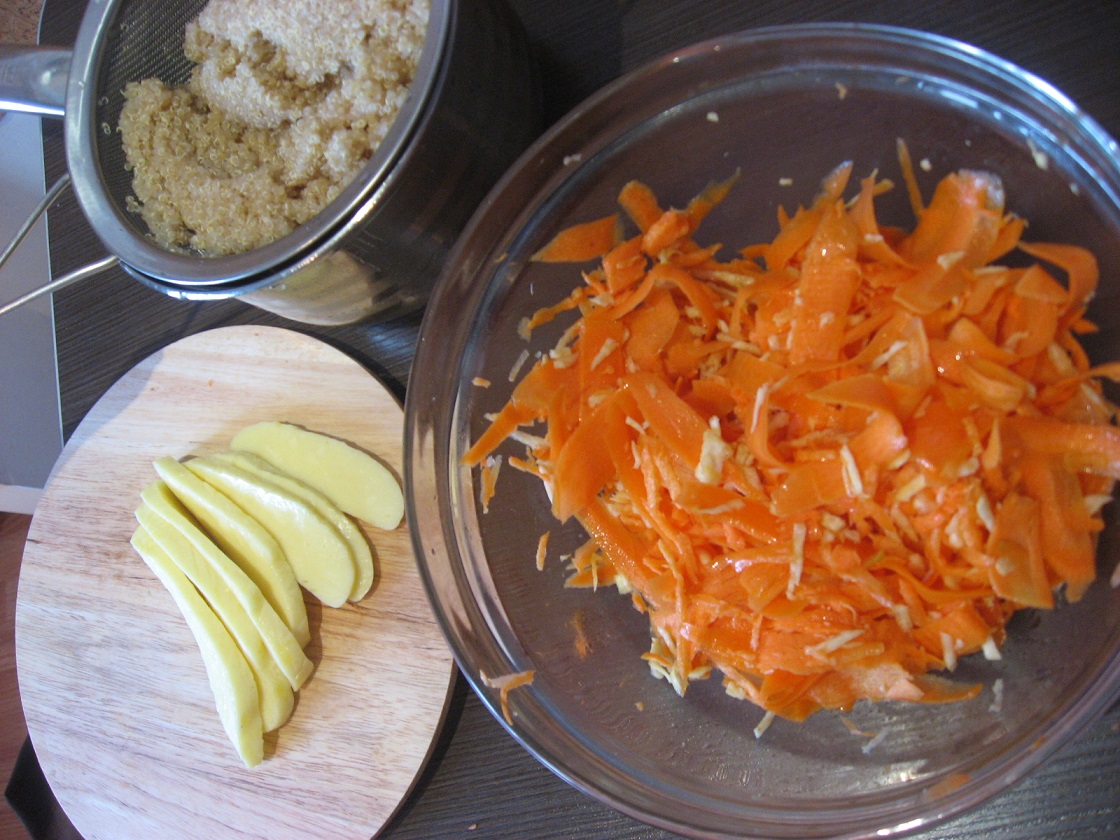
(505, 684)
(837, 463)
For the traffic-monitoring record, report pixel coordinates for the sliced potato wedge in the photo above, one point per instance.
(355, 481)
(231, 680)
(273, 691)
(363, 557)
(228, 589)
(244, 540)
(321, 558)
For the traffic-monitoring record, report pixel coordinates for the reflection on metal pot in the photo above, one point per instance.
(337, 289)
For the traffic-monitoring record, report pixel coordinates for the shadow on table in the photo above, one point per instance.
(31, 798)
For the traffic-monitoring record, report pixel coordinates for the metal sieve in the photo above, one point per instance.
(375, 250)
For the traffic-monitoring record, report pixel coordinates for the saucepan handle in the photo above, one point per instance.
(33, 79)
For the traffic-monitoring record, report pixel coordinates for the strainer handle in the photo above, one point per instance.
(66, 279)
(33, 79)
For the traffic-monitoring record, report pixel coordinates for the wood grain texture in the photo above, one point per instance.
(113, 687)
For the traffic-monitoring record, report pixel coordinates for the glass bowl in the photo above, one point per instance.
(785, 106)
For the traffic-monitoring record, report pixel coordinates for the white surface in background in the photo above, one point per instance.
(30, 415)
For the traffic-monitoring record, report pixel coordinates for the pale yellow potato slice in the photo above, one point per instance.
(224, 585)
(363, 557)
(244, 540)
(320, 556)
(273, 691)
(356, 482)
(231, 680)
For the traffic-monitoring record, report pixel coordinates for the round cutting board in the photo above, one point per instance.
(113, 686)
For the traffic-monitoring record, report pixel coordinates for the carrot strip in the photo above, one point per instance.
(699, 207)
(640, 204)
(1007, 240)
(584, 466)
(582, 242)
(829, 279)
(1019, 572)
(504, 423)
(1090, 447)
(650, 330)
(675, 421)
(697, 293)
(872, 244)
(1068, 551)
(505, 684)
(963, 217)
(931, 287)
(624, 265)
(665, 232)
(1079, 264)
(810, 486)
(862, 390)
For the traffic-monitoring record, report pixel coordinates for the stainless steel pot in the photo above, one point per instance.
(372, 253)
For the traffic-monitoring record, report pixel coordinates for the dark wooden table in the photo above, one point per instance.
(480, 783)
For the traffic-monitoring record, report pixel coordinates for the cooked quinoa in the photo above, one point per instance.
(287, 100)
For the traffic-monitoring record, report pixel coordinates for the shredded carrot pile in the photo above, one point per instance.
(836, 462)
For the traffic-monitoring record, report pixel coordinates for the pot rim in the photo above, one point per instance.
(234, 273)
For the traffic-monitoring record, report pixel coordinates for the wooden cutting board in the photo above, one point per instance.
(112, 683)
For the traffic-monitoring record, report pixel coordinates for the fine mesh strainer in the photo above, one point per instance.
(375, 250)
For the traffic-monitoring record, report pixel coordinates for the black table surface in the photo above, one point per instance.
(480, 782)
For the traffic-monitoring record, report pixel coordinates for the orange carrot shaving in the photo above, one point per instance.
(640, 204)
(835, 463)
(581, 242)
(505, 684)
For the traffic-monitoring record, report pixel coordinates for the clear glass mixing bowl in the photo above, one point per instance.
(785, 106)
